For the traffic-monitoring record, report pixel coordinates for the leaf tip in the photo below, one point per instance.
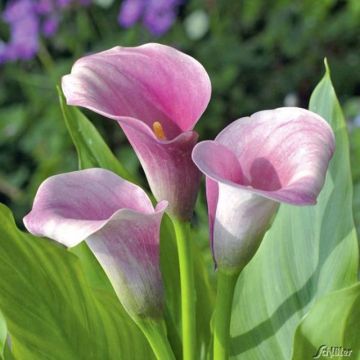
(327, 67)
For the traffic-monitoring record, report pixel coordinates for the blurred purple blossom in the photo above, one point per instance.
(24, 31)
(50, 25)
(27, 20)
(156, 15)
(44, 7)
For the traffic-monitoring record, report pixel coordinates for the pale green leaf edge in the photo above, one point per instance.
(312, 312)
(334, 320)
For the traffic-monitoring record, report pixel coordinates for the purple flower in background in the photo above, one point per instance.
(44, 6)
(156, 15)
(24, 28)
(50, 12)
(50, 26)
(28, 19)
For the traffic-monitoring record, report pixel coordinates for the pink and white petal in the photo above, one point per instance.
(70, 207)
(284, 153)
(127, 248)
(151, 82)
(212, 196)
(218, 162)
(241, 221)
(171, 173)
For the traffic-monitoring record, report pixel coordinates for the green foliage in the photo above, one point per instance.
(307, 253)
(50, 309)
(318, 327)
(91, 148)
(3, 334)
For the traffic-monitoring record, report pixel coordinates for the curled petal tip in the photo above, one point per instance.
(151, 82)
(161, 206)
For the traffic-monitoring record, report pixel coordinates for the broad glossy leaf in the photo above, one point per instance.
(90, 146)
(51, 311)
(333, 321)
(307, 253)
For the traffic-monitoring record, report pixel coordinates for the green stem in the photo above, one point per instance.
(45, 58)
(187, 289)
(225, 291)
(155, 333)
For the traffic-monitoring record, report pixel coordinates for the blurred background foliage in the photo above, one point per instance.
(258, 54)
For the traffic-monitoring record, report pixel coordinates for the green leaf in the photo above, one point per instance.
(93, 271)
(51, 311)
(90, 146)
(333, 321)
(3, 334)
(307, 253)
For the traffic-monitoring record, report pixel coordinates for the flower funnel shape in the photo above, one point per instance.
(254, 164)
(156, 94)
(119, 224)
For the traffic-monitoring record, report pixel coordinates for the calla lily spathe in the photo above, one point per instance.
(119, 224)
(254, 164)
(156, 94)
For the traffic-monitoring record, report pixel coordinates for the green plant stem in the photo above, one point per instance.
(225, 291)
(187, 288)
(45, 59)
(155, 333)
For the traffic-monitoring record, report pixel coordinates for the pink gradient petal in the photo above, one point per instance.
(151, 82)
(96, 194)
(212, 196)
(241, 220)
(283, 153)
(119, 223)
(233, 209)
(128, 250)
(218, 163)
(279, 155)
(137, 87)
(171, 174)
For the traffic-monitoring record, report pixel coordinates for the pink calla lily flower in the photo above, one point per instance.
(254, 164)
(117, 221)
(156, 94)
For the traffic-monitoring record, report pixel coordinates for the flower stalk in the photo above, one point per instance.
(155, 333)
(226, 282)
(187, 288)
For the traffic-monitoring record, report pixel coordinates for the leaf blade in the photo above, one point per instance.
(317, 328)
(43, 288)
(90, 146)
(305, 255)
